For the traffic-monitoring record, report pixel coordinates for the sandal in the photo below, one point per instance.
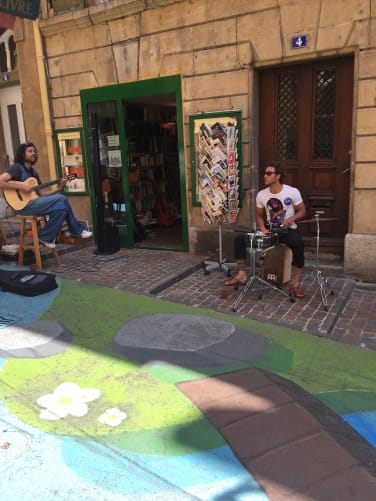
(297, 292)
(232, 282)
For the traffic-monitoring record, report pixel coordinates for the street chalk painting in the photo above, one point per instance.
(95, 408)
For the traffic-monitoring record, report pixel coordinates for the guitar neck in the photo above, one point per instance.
(45, 185)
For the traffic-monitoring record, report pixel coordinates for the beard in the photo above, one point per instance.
(33, 161)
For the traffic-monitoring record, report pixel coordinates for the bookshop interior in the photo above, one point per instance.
(153, 172)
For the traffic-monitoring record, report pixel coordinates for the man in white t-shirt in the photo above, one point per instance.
(277, 206)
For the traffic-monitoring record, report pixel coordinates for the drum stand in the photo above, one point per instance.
(257, 257)
(221, 263)
(322, 282)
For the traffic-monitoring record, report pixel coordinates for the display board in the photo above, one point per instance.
(216, 165)
(70, 159)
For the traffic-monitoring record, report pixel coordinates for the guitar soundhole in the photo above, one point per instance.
(19, 195)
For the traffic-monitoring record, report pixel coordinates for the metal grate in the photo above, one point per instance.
(324, 114)
(286, 116)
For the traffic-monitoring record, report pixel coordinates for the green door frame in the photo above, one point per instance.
(118, 93)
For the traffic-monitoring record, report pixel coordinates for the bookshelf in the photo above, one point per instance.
(153, 165)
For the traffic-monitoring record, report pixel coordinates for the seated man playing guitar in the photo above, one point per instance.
(21, 182)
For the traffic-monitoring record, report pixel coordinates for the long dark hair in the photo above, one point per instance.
(19, 157)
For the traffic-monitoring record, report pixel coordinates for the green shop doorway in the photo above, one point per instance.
(135, 161)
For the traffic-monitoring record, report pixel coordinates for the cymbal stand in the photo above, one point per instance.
(257, 254)
(321, 280)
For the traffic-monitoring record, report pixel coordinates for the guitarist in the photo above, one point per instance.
(50, 202)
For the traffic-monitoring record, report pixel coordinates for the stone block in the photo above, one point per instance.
(365, 149)
(55, 44)
(174, 16)
(86, 39)
(360, 256)
(213, 34)
(333, 37)
(67, 85)
(155, 47)
(216, 85)
(239, 7)
(263, 31)
(67, 106)
(174, 64)
(124, 29)
(245, 56)
(360, 34)
(366, 121)
(240, 102)
(363, 203)
(216, 60)
(193, 106)
(367, 64)
(68, 122)
(99, 61)
(365, 176)
(367, 93)
(126, 57)
(338, 12)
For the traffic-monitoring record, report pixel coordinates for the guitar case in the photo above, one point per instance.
(27, 283)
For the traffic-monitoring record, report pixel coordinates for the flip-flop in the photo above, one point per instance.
(235, 281)
(297, 292)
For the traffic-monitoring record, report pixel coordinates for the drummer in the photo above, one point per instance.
(279, 206)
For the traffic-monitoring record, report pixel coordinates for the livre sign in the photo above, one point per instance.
(21, 8)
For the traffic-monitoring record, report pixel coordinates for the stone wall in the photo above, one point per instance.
(216, 47)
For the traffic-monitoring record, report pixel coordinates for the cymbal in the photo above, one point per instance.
(321, 219)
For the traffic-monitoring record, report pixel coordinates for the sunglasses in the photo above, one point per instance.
(269, 172)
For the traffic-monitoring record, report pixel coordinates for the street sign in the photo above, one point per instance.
(299, 42)
(27, 8)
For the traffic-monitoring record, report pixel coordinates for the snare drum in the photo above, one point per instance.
(260, 240)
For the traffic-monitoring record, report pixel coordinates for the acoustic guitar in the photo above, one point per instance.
(18, 199)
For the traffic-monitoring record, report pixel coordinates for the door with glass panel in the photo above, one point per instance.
(305, 123)
(107, 167)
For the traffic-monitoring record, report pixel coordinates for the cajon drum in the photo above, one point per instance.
(277, 264)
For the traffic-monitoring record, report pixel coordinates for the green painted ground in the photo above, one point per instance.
(156, 410)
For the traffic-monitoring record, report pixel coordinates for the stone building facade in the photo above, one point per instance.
(219, 50)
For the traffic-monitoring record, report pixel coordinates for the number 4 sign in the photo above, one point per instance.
(299, 42)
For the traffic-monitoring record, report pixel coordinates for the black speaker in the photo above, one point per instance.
(108, 241)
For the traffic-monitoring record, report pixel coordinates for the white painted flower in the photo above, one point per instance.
(112, 417)
(67, 399)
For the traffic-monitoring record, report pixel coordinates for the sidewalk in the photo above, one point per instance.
(294, 446)
(179, 277)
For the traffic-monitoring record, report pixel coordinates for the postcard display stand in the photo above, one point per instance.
(217, 176)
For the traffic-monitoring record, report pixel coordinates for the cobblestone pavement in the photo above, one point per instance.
(179, 277)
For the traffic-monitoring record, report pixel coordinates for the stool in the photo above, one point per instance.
(3, 238)
(35, 246)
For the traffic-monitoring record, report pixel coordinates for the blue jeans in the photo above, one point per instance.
(58, 209)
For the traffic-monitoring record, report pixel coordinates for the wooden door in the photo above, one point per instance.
(305, 123)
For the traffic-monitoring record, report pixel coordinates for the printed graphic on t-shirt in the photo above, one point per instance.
(276, 211)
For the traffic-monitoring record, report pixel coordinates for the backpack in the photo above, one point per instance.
(27, 283)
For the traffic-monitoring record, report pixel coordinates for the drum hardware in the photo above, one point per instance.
(323, 219)
(257, 250)
(322, 282)
(222, 262)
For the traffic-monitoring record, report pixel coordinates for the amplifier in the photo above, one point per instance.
(108, 240)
